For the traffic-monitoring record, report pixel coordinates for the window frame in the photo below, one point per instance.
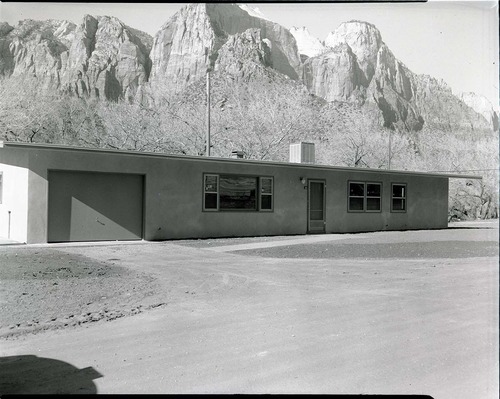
(258, 199)
(255, 209)
(1, 187)
(205, 192)
(365, 196)
(371, 196)
(404, 198)
(349, 196)
(261, 194)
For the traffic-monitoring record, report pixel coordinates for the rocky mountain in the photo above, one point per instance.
(359, 67)
(481, 105)
(102, 57)
(189, 42)
(308, 45)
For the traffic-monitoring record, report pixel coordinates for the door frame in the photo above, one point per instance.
(323, 230)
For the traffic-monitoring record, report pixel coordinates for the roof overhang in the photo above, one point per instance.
(8, 144)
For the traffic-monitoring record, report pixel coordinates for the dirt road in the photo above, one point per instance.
(363, 313)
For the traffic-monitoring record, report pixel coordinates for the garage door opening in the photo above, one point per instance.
(91, 206)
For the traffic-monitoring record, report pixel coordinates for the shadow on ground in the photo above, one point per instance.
(468, 228)
(30, 374)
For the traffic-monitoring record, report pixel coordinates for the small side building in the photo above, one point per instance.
(51, 193)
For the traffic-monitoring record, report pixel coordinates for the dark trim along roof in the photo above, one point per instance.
(4, 144)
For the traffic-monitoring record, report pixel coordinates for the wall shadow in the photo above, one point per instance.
(29, 374)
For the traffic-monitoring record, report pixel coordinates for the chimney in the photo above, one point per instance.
(302, 152)
(237, 154)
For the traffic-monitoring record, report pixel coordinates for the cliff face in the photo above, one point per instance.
(244, 55)
(392, 90)
(360, 68)
(103, 57)
(190, 41)
(34, 48)
(335, 75)
(308, 45)
(364, 40)
(482, 106)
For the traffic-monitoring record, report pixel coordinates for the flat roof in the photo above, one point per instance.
(58, 147)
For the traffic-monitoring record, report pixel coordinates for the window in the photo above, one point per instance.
(356, 196)
(236, 192)
(373, 197)
(398, 203)
(266, 194)
(211, 197)
(365, 197)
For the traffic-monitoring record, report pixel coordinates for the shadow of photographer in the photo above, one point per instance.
(38, 375)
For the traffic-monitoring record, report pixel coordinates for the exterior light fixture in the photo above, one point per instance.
(303, 180)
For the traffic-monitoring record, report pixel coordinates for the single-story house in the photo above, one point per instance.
(52, 193)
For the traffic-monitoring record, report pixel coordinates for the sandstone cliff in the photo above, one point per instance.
(359, 67)
(101, 56)
(189, 42)
(243, 55)
(364, 40)
(481, 105)
(335, 75)
(308, 45)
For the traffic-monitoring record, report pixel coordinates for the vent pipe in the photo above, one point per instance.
(237, 154)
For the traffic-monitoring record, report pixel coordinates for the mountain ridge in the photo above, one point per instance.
(103, 57)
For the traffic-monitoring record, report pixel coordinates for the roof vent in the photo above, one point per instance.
(237, 154)
(302, 152)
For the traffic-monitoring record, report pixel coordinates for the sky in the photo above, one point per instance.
(456, 41)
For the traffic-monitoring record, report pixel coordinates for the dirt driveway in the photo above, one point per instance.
(387, 312)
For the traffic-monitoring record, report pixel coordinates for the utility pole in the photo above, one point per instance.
(207, 61)
(208, 113)
(390, 145)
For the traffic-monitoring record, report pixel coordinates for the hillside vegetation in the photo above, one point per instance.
(261, 119)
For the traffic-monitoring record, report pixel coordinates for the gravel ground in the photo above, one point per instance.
(45, 288)
(435, 249)
(216, 242)
(391, 312)
(42, 288)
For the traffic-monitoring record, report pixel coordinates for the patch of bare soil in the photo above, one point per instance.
(42, 288)
(401, 250)
(216, 242)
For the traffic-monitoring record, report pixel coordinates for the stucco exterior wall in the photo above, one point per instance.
(173, 195)
(14, 206)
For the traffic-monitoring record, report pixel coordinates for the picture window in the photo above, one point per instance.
(237, 193)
